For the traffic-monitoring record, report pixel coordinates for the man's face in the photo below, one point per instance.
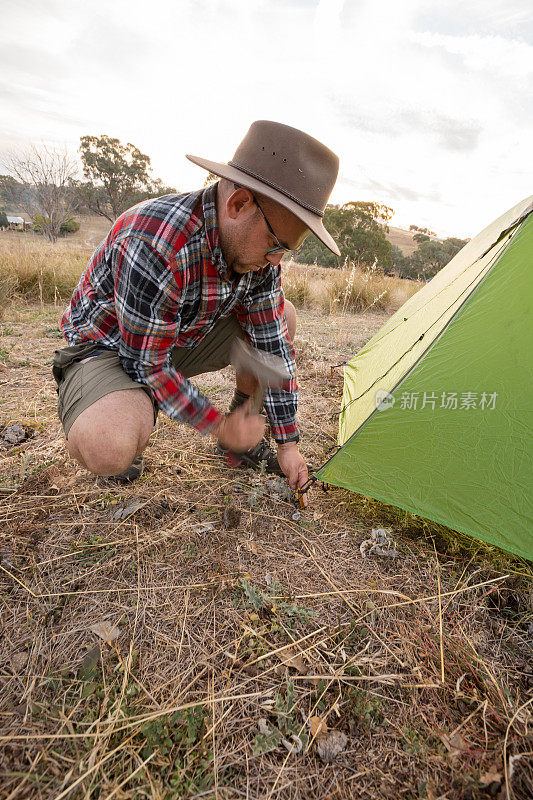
(245, 235)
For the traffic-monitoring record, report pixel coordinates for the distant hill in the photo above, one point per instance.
(404, 240)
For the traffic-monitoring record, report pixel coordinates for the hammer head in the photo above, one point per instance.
(270, 370)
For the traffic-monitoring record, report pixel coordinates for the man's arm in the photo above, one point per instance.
(262, 317)
(147, 302)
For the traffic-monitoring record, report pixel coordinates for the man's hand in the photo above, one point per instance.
(240, 430)
(293, 465)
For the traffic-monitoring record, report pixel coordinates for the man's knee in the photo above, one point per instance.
(109, 457)
(290, 316)
(108, 435)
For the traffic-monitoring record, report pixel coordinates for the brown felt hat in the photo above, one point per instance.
(286, 165)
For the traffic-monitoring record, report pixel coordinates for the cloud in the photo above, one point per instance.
(510, 19)
(448, 132)
(392, 191)
(429, 106)
(17, 60)
(503, 57)
(456, 135)
(366, 121)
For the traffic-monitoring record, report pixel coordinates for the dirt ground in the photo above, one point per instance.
(197, 635)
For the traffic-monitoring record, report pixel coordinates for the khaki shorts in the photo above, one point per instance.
(79, 385)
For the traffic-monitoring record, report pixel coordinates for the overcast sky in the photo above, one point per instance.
(428, 104)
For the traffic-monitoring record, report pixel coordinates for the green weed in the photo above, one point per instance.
(273, 601)
(413, 744)
(179, 738)
(366, 708)
(285, 723)
(5, 352)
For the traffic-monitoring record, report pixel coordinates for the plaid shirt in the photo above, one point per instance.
(159, 281)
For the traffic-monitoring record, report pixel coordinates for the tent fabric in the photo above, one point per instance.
(451, 438)
(397, 346)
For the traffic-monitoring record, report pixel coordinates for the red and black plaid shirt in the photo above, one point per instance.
(159, 281)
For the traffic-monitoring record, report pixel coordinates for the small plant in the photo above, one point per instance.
(24, 464)
(191, 550)
(358, 290)
(70, 226)
(273, 601)
(180, 739)
(7, 286)
(92, 551)
(414, 744)
(366, 708)
(279, 489)
(45, 273)
(53, 333)
(183, 728)
(285, 725)
(5, 352)
(255, 495)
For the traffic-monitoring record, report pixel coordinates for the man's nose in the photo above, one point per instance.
(274, 258)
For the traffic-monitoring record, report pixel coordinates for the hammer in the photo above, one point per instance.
(269, 370)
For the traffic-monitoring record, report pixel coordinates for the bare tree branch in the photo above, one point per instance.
(47, 177)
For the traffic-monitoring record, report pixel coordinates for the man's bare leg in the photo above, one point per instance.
(109, 435)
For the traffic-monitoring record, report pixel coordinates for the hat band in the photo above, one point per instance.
(278, 188)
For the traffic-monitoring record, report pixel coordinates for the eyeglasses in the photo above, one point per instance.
(279, 247)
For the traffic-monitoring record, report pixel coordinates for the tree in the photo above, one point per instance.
(157, 189)
(117, 176)
(211, 178)
(431, 256)
(359, 230)
(371, 214)
(399, 262)
(10, 192)
(452, 245)
(3, 220)
(422, 230)
(45, 180)
(370, 243)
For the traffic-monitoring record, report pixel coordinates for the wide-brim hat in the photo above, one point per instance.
(286, 165)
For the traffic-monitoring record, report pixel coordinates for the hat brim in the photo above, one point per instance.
(312, 221)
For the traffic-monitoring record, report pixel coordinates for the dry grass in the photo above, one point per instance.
(344, 290)
(230, 611)
(36, 269)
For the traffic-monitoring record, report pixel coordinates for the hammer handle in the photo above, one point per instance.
(257, 399)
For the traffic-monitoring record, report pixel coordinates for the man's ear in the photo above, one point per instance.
(240, 203)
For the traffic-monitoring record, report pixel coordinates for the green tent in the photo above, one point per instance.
(436, 415)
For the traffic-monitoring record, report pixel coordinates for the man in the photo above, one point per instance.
(166, 292)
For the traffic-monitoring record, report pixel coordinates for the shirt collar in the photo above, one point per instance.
(209, 205)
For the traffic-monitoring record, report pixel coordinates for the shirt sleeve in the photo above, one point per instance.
(262, 317)
(147, 301)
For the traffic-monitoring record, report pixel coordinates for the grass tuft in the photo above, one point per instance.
(349, 290)
(34, 269)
